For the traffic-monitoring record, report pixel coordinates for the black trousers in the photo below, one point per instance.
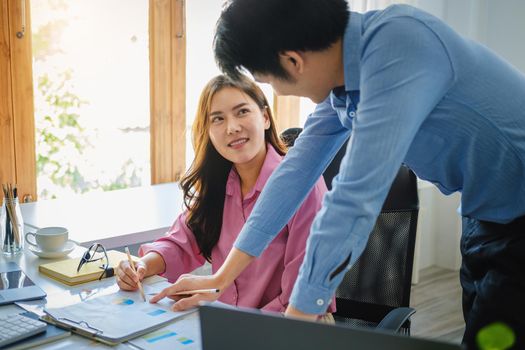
(493, 278)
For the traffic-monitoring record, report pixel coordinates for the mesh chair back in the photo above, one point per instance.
(289, 135)
(381, 278)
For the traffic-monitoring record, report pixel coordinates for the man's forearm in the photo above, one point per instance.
(235, 263)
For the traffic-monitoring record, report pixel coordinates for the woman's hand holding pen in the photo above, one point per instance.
(150, 264)
(190, 283)
(127, 279)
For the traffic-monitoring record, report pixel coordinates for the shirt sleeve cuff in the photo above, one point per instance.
(311, 299)
(252, 241)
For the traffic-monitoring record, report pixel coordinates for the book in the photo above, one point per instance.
(51, 334)
(65, 271)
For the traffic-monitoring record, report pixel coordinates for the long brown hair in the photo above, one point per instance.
(204, 184)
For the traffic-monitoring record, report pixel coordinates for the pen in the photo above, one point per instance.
(133, 268)
(198, 291)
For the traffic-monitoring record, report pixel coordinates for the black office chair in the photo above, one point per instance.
(375, 292)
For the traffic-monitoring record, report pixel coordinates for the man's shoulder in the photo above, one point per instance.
(398, 12)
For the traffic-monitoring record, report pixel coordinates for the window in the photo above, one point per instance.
(91, 89)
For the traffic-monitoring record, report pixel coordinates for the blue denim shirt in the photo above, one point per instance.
(416, 93)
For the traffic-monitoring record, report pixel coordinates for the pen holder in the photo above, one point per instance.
(11, 227)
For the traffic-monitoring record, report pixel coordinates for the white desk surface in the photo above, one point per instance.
(29, 263)
(114, 218)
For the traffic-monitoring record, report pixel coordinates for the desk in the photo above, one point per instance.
(115, 218)
(29, 263)
(231, 331)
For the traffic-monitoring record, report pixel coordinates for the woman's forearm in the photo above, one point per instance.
(154, 263)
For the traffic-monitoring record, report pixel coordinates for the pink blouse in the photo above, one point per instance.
(268, 281)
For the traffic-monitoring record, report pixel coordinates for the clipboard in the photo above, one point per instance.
(81, 329)
(114, 318)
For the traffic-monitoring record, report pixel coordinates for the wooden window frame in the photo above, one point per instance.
(167, 96)
(167, 89)
(17, 123)
(286, 112)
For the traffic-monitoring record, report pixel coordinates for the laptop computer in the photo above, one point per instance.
(227, 328)
(16, 286)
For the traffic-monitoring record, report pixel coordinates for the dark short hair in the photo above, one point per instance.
(250, 34)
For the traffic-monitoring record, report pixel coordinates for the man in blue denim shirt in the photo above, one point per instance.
(407, 89)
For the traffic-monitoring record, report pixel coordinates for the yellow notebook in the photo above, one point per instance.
(65, 271)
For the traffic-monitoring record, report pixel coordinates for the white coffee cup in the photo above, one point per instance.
(49, 239)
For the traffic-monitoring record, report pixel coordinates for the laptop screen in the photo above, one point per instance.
(226, 328)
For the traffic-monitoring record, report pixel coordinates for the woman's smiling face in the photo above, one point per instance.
(237, 126)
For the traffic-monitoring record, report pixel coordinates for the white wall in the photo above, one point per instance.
(439, 230)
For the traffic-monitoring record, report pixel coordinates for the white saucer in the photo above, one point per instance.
(68, 248)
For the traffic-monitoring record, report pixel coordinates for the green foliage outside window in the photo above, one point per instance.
(62, 140)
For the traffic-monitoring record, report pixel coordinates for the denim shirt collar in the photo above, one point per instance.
(339, 98)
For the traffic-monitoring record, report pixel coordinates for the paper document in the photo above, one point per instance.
(118, 316)
(184, 333)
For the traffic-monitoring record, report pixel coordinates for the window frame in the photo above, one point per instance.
(167, 89)
(167, 31)
(17, 123)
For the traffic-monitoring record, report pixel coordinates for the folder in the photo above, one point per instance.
(114, 318)
(65, 271)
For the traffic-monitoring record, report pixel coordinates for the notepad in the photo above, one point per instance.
(65, 271)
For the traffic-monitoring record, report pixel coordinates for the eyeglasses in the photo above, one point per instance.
(91, 256)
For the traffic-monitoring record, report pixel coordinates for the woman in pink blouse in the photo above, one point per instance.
(236, 150)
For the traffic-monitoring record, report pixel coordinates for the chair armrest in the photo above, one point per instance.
(396, 318)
